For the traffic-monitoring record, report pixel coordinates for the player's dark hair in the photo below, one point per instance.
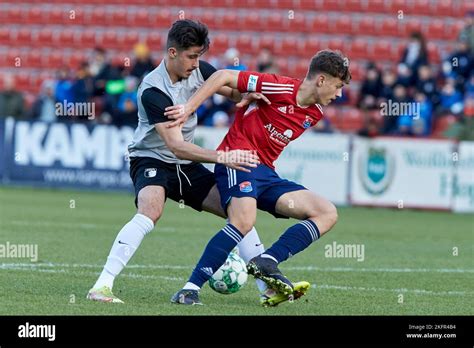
(187, 33)
(332, 63)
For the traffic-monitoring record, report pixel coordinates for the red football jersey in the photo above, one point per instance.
(269, 128)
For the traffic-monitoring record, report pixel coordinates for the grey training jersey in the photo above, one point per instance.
(146, 140)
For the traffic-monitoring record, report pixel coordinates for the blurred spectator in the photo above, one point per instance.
(390, 121)
(11, 101)
(467, 33)
(265, 62)
(420, 124)
(211, 106)
(43, 107)
(371, 128)
(220, 119)
(370, 89)
(127, 104)
(143, 62)
(82, 88)
(101, 71)
(427, 84)
(459, 65)
(451, 99)
(323, 126)
(389, 78)
(414, 55)
(232, 60)
(63, 92)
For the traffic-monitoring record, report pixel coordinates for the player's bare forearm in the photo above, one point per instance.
(212, 85)
(231, 93)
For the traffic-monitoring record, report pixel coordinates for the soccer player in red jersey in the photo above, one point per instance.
(267, 129)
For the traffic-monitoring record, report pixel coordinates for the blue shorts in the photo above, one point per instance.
(262, 183)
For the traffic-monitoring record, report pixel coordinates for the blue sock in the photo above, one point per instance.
(295, 239)
(215, 254)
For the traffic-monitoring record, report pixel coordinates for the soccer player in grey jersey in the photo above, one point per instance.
(164, 162)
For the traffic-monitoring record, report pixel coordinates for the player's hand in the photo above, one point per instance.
(178, 113)
(239, 159)
(250, 98)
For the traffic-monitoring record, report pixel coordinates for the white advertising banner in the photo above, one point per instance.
(402, 172)
(463, 182)
(316, 161)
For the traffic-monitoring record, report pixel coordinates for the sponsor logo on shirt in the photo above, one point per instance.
(278, 137)
(245, 186)
(252, 83)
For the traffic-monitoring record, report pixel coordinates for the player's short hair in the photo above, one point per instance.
(330, 62)
(186, 33)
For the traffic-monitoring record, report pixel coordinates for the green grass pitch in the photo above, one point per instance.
(416, 262)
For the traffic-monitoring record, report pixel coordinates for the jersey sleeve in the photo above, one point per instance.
(155, 102)
(271, 85)
(206, 69)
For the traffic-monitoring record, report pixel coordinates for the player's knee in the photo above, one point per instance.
(331, 215)
(243, 225)
(150, 210)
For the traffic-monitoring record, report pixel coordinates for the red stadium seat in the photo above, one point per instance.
(310, 5)
(210, 18)
(230, 21)
(443, 8)
(267, 41)
(421, 7)
(163, 19)
(377, 6)
(35, 15)
(219, 44)
(142, 18)
(282, 65)
(57, 16)
(399, 5)
(435, 29)
(352, 119)
(358, 49)
(331, 5)
(54, 60)
(22, 81)
(336, 44)
(354, 6)
(44, 38)
(389, 27)
(76, 16)
(301, 69)
(409, 26)
(23, 37)
(274, 22)
(356, 70)
(130, 39)
(244, 44)
(6, 36)
(311, 46)
(343, 25)
(33, 59)
(296, 23)
(287, 47)
(464, 7)
(433, 53)
(454, 29)
(252, 21)
(283, 4)
(118, 18)
(110, 39)
(383, 50)
(442, 123)
(88, 38)
(14, 15)
(318, 24)
(366, 26)
(75, 60)
(67, 38)
(95, 16)
(153, 41)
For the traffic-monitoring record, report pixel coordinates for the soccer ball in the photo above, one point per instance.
(231, 276)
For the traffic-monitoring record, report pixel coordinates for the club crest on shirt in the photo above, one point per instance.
(307, 122)
(245, 186)
(150, 172)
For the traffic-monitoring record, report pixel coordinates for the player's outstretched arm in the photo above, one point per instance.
(236, 159)
(221, 78)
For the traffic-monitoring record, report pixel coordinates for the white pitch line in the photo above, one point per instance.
(320, 287)
(403, 290)
(297, 268)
